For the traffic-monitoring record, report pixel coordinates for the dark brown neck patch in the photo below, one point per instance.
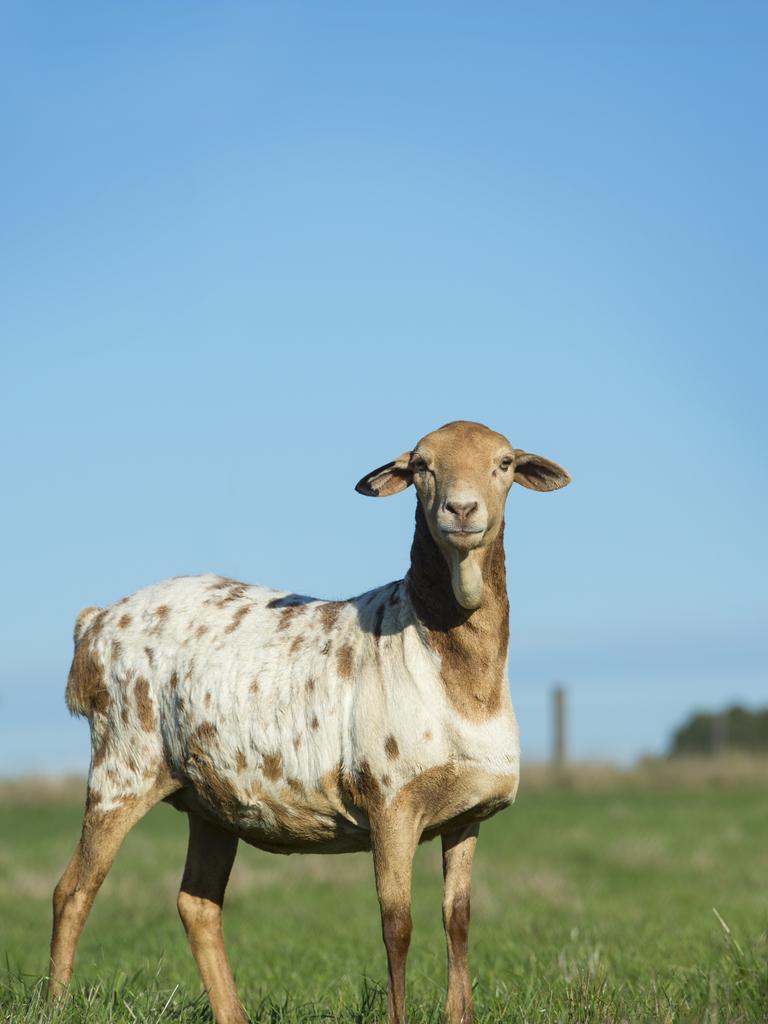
(472, 645)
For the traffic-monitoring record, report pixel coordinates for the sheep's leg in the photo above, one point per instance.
(210, 857)
(393, 843)
(458, 851)
(102, 835)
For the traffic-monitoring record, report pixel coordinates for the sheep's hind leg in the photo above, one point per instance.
(210, 857)
(102, 835)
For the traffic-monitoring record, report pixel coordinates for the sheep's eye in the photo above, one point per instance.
(505, 464)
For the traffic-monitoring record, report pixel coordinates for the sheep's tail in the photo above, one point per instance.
(82, 622)
(86, 679)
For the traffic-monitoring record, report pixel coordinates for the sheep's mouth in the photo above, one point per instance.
(463, 538)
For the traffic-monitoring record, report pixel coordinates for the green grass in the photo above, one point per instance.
(587, 907)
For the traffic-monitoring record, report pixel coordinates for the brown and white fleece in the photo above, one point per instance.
(290, 720)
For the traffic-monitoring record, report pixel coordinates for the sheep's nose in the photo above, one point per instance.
(462, 509)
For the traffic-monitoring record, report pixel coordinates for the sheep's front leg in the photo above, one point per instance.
(393, 842)
(458, 851)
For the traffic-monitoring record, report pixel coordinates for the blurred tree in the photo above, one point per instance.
(735, 728)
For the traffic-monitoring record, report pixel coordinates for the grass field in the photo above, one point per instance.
(587, 907)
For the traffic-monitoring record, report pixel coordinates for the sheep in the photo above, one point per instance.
(304, 725)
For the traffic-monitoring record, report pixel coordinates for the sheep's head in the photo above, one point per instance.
(462, 474)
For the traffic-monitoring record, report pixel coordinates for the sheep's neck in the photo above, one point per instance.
(472, 644)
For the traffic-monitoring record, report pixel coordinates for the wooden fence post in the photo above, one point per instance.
(559, 751)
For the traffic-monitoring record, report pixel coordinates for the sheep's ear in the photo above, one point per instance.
(386, 480)
(538, 473)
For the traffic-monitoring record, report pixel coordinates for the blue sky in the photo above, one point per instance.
(251, 251)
